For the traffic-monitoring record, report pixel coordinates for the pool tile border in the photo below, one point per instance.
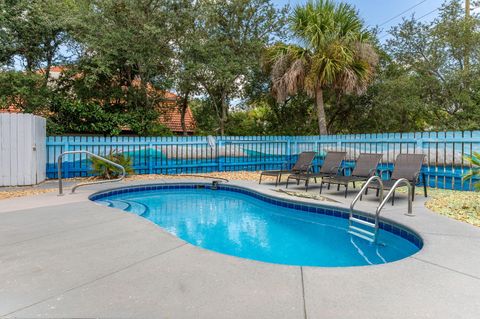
(389, 226)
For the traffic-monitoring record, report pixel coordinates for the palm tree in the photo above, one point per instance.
(474, 160)
(331, 50)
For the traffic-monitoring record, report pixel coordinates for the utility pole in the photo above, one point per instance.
(467, 8)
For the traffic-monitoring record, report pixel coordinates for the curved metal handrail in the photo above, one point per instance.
(390, 193)
(60, 181)
(364, 187)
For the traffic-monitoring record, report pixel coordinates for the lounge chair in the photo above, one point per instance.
(365, 167)
(408, 166)
(331, 166)
(303, 165)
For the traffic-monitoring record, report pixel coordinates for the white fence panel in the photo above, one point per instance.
(22, 149)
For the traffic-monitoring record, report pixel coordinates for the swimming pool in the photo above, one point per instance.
(243, 223)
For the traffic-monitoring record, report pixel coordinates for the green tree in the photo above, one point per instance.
(186, 70)
(392, 103)
(33, 32)
(24, 91)
(125, 61)
(232, 36)
(334, 52)
(443, 57)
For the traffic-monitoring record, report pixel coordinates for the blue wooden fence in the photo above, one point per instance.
(445, 163)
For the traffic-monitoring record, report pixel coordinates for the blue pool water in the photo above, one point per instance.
(241, 225)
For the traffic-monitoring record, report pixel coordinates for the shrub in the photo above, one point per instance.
(475, 170)
(108, 171)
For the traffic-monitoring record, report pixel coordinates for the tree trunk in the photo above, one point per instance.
(223, 117)
(183, 111)
(322, 122)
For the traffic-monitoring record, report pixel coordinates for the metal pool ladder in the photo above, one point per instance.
(354, 222)
(60, 181)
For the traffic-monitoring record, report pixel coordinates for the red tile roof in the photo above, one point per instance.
(11, 109)
(171, 118)
(53, 69)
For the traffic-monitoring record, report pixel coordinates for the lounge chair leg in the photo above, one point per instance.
(315, 179)
(321, 186)
(328, 186)
(288, 179)
(354, 185)
(378, 191)
(338, 187)
(413, 193)
(260, 181)
(306, 185)
(276, 181)
(298, 182)
(346, 190)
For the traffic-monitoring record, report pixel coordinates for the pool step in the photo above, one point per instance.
(360, 232)
(120, 204)
(137, 208)
(104, 203)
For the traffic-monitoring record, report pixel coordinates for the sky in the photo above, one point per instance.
(379, 12)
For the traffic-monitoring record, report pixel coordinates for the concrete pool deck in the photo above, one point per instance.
(66, 257)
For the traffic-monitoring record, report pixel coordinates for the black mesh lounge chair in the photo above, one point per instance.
(365, 167)
(303, 165)
(331, 166)
(406, 166)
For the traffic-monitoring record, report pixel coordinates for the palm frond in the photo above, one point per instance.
(474, 160)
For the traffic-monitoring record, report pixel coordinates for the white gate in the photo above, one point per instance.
(22, 149)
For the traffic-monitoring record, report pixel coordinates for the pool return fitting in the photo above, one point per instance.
(355, 222)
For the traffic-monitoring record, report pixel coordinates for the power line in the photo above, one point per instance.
(418, 19)
(427, 14)
(402, 13)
